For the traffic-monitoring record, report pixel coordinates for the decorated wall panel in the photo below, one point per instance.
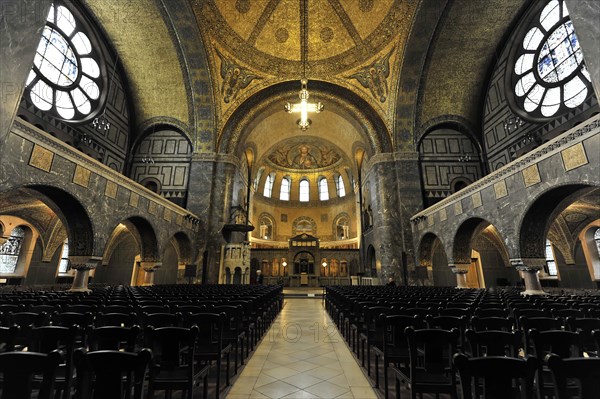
(449, 161)
(161, 162)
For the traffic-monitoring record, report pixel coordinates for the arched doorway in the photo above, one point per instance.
(304, 262)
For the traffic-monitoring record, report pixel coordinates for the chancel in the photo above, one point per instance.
(151, 178)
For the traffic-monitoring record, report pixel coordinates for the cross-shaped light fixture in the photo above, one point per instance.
(304, 107)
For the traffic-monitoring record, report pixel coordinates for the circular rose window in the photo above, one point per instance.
(65, 77)
(549, 70)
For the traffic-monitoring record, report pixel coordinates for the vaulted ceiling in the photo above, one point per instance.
(411, 61)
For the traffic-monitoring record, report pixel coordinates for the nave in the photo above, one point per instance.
(302, 356)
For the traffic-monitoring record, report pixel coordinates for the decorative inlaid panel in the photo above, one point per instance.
(134, 199)
(458, 208)
(111, 189)
(82, 176)
(167, 215)
(531, 175)
(443, 215)
(500, 189)
(41, 158)
(574, 157)
(152, 208)
(476, 199)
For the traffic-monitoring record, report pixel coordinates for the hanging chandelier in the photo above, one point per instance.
(304, 107)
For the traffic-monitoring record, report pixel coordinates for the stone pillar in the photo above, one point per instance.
(210, 199)
(392, 182)
(585, 16)
(530, 269)
(82, 266)
(21, 25)
(461, 275)
(149, 268)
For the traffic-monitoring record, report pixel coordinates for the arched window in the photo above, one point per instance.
(10, 251)
(63, 266)
(66, 74)
(304, 191)
(549, 70)
(342, 227)
(341, 189)
(266, 227)
(551, 269)
(597, 240)
(268, 190)
(284, 193)
(258, 176)
(323, 189)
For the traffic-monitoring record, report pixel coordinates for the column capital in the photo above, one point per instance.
(528, 264)
(84, 262)
(459, 268)
(459, 271)
(528, 269)
(150, 266)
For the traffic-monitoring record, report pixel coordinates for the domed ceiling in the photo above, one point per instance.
(268, 35)
(354, 44)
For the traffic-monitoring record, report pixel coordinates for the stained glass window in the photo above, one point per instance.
(10, 250)
(323, 189)
(304, 191)
(268, 190)
(597, 240)
(65, 76)
(341, 189)
(284, 193)
(63, 266)
(550, 261)
(550, 71)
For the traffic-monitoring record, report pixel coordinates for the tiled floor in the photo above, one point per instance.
(302, 356)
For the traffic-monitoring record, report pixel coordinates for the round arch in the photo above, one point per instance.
(265, 102)
(538, 218)
(426, 248)
(72, 214)
(183, 245)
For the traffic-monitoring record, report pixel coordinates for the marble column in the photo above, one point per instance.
(392, 182)
(82, 266)
(530, 268)
(149, 268)
(585, 15)
(461, 275)
(21, 26)
(210, 199)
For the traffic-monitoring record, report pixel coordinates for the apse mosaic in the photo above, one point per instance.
(304, 155)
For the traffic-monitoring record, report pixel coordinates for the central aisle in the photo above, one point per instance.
(302, 356)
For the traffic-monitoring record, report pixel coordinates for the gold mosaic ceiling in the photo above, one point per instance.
(268, 36)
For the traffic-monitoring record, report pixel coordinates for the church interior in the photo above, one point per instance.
(282, 145)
